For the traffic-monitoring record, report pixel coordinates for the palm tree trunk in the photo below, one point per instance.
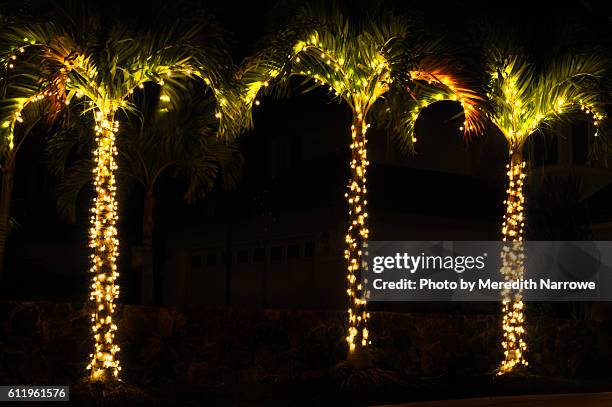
(356, 239)
(148, 278)
(5, 208)
(513, 267)
(104, 364)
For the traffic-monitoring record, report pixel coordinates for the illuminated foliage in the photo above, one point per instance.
(19, 88)
(524, 99)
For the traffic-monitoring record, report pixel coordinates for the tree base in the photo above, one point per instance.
(359, 371)
(361, 357)
(111, 393)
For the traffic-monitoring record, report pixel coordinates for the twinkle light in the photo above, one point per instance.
(20, 102)
(104, 364)
(357, 236)
(17, 117)
(513, 267)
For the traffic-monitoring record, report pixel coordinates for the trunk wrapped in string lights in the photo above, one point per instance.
(522, 101)
(359, 66)
(513, 264)
(357, 236)
(104, 364)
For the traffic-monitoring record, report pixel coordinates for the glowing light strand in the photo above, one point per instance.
(356, 237)
(513, 266)
(17, 117)
(22, 103)
(104, 364)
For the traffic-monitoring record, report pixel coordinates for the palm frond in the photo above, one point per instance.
(106, 66)
(524, 98)
(322, 45)
(20, 88)
(359, 62)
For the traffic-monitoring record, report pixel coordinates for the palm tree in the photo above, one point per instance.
(158, 139)
(525, 99)
(360, 63)
(105, 67)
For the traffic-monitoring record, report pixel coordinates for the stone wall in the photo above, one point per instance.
(44, 342)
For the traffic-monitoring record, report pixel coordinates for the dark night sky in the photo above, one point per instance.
(543, 26)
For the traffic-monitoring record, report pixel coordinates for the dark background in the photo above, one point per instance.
(296, 162)
(47, 258)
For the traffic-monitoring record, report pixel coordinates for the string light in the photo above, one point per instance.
(21, 103)
(516, 130)
(513, 266)
(357, 236)
(104, 364)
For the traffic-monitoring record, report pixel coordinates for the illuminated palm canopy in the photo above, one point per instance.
(107, 70)
(360, 62)
(325, 47)
(524, 98)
